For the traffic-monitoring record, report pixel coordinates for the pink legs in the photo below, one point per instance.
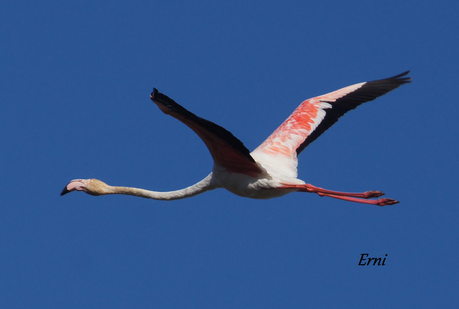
(378, 202)
(351, 197)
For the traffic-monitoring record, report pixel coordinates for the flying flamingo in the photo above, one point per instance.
(271, 169)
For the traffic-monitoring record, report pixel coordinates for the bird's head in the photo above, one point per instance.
(90, 186)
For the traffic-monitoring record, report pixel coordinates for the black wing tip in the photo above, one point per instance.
(154, 93)
(162, 98)
(400, 78)
(388, 84)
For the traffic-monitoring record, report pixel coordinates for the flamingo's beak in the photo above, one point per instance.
(76, 184)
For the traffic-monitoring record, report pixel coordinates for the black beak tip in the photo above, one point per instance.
(65, 191)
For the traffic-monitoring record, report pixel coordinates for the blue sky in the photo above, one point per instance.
(76, 78)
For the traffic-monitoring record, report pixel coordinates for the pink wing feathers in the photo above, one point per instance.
(314, 116)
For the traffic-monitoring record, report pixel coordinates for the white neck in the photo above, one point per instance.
(198, 188)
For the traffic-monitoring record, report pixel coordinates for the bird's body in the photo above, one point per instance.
(271, 169)
(247, 186)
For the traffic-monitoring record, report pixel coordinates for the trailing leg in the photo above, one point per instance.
(378, 202)
(313, 189)
(346, 196)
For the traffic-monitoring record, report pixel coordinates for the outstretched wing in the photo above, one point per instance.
(226, 150)
(314, 116)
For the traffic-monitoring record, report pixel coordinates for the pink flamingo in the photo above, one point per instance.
(271, 169)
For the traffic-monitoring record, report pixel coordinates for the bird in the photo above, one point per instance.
(271, 169)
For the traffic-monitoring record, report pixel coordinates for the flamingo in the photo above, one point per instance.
(271, 169)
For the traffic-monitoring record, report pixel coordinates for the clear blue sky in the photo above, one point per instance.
(75, 83)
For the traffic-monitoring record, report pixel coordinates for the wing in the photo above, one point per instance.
(226, 150)
(314, 116)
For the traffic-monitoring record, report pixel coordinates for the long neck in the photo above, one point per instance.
(198, 188)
